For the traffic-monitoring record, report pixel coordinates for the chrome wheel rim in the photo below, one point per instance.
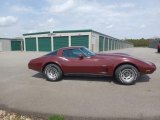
(52, 73)
(127, 75)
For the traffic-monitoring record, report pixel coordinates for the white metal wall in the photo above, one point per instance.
(5, 45)
(95, 42)
(0, 45)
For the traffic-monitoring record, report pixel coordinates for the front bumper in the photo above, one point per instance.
(150, 68)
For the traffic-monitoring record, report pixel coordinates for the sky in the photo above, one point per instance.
(118, 18)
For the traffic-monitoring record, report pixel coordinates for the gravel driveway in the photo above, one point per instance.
(26, 90)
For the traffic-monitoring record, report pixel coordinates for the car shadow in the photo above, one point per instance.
(89, 78)
(39, 75)
(78, 78)
(143, 78)
(157, 52)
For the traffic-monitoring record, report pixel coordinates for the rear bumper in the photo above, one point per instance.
(30, 65)
(34, 66)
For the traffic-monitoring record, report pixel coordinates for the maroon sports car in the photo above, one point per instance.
(79, 60)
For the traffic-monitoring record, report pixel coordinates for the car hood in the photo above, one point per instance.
(117, 56)
(112, 55)
(120, 55)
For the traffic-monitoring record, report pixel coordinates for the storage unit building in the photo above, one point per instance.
(11, 44)
(49, 41)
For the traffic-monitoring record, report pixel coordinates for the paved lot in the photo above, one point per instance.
(28, 90)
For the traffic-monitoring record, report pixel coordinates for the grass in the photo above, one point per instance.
(8, 115)
(56, 117)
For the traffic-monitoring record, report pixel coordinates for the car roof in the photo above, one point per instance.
(72, 47)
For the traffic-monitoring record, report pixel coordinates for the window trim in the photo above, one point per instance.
(73, 49)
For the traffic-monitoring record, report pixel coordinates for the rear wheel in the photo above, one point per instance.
(53, 72)
(127, 74)
(158, 50)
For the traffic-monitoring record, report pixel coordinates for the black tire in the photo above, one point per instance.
(53, 72)
(126, 74)
(158, 50)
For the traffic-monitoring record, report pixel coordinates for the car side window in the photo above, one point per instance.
(54, 53)
(71, 53)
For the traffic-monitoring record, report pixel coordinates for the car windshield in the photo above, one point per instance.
(87, 52)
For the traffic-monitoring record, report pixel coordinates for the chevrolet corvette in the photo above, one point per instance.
(78, 60)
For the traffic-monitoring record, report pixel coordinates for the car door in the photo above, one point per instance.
(73, 63)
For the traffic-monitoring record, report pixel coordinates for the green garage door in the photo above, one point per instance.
(110, 44)
(106, 44)
(80, 40)
(113, 42)
(101, 39)
(116, 44)
(60, 42)
(30, 44)
(44, 44)
(15, 45)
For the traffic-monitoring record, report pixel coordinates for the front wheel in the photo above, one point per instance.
(127, 74)
(53, 72)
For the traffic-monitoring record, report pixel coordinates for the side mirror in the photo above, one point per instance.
(81, 56)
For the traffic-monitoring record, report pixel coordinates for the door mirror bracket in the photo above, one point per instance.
(81, 56)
